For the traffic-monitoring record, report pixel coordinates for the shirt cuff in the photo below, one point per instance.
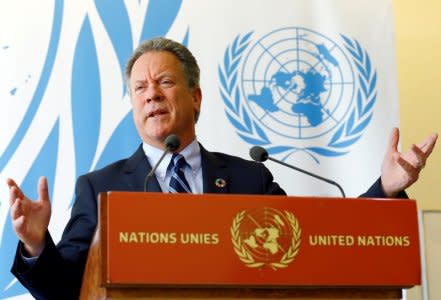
(28, 261)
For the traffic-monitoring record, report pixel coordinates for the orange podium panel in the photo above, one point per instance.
(253, 241)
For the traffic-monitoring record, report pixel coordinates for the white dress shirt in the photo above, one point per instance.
(193, 171)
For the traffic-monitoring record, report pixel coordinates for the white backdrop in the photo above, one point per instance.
(314, 82)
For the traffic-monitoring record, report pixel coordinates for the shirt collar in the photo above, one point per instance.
(191, 153)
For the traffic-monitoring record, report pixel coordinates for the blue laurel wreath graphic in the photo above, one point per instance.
(352, 129)
(247, 128)
(347, 133)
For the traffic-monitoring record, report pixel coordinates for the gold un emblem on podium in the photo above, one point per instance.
(266, 237)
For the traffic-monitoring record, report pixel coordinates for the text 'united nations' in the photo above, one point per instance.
(360, 240)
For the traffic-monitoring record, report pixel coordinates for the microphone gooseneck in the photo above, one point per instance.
(171, 143)
(260, 154)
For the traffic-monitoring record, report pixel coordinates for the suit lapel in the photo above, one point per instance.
(136, 169)
(215, 173)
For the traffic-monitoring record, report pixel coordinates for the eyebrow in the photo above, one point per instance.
(139, 82)
(159, 76)
(166, 74)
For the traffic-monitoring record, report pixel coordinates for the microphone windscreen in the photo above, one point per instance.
(258, 153)
(172, 142)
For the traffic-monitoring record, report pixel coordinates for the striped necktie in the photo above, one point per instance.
(178, 183)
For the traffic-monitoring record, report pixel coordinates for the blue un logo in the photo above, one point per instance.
(295, 89)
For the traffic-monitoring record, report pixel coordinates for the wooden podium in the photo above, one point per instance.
(170, 246)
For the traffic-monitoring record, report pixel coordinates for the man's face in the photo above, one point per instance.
(162, 102)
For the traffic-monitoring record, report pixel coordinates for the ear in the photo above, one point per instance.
(197, 99)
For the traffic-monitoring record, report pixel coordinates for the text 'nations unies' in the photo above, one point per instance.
(168, 238)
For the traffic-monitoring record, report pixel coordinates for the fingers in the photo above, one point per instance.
(18, 217)
(412, 172)
(13, 195)
(393, 140)
(14, 191)
(407, 166)
(423, 150)
(420, 156)
(17, 209)
(428, 144)
(43, 191)
(17, 206)
(412, 161)
(10, 182)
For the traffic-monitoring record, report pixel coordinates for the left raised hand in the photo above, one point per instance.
(401, 170)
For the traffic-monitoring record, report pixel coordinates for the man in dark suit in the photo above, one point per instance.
(163, 81)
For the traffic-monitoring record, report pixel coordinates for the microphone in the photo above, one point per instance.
(260, 154)
(171, 144)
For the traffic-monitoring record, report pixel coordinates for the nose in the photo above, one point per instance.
(153, 94)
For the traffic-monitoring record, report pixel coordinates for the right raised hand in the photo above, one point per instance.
(30, 219)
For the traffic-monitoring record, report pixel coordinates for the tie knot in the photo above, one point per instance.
(178, 162)
(178, 182)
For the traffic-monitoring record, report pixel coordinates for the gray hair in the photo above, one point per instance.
(189, 63)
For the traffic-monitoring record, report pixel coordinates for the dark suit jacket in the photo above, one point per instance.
(58, 271)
